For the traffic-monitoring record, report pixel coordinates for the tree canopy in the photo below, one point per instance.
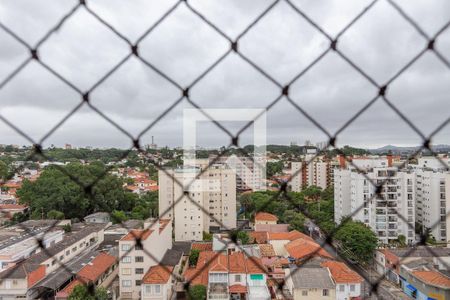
(54, 190)
(81, 292)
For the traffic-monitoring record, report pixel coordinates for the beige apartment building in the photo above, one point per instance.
(156, 239)
(194, 208)
(311, 171)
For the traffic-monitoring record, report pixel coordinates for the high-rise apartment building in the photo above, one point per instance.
(195, 208)
(311, 171)
(433, 196)
(390, 213)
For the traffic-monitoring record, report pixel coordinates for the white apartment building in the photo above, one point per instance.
(390, 213)
(433, 201)
(250, 171)
(135, 262)
(214, 191)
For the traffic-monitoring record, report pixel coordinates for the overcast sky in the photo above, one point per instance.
(183, 46)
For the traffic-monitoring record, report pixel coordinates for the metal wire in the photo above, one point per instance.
(135, 141)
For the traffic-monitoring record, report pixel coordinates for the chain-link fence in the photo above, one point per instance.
(284, 93)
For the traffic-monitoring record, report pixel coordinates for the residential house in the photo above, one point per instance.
(312, 283)
(302, 249)
(348, 282)
(157, 283)
(99, 217)
(265, 218)
(279, 239)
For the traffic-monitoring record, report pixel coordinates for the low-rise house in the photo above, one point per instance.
(98, 217)
(19, 280)
(422, 281)
(100, 271)
(265, 218)
(157, 283)
(348, 282)
(302, 249)
(310, 283)
(387, 261)
(279, 239)
(232, 275)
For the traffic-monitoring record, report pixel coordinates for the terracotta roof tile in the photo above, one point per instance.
(65, 292)
(199, 274)
(290, 236)
(97, 267)
(157, 275)
(433, 277)
(137, 233)
(237, 262)
(254, 265)
(238, 289)
(303, 248)
(341, 273)
(267, 250)
(263, 216)
(259, 237)
(202, 246)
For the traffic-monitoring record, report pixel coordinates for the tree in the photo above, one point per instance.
(4, 171)
(207, 236)
(243, 237)
(81, 292)
(273, 168)
(55, 215)
(297, 222)
(358, 241)
(193, 257)
(118, 216)
(401, 239)
(55, 190)
(197, 292)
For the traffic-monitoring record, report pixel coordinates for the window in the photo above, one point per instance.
(126, 271)
(304, 293)
(139, 271)
(218, 277)
(139, 259)
(325, 292)
(138, 282)
(137, 247)
(341, 288)
(125, 247)
(352, 287)
(157, 289)
(256, 277)
(67, 252)
(126, 283)
(237, 277)
(126, 259)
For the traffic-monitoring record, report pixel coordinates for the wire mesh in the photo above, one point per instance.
(284, 93)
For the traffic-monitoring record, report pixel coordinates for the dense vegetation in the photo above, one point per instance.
(81, 292)
(197, 292)
(54, 191)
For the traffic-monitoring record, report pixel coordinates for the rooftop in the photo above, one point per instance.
(310, 277)
(97, 267)
(303, 248)
(263, 216)
(341, 273)
(433, 277)
(290, 236)
(157, 275)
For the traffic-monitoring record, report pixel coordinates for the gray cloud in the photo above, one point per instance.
(183, 46)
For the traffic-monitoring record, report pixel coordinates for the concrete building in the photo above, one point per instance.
(310, 283)
(24, 279)
(382, 211)
(98, 217)
(311, 171)
(433, 201)
(193, 207)
(157, 283)
(156, 239)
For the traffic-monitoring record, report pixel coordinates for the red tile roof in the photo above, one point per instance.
(12, 206)
(137, 233)
(263, 216)
(97, 267)
(157, 275)
(65, 292)
(267, 250)
(289, 236)
(199, 274)
(202, 246)
(341, 273)
(238, 289)
(259, 237)
(303, 248)
(254, 265)
(237, 262)
(433, 277)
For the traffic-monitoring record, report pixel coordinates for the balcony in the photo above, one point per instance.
(218, 291)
